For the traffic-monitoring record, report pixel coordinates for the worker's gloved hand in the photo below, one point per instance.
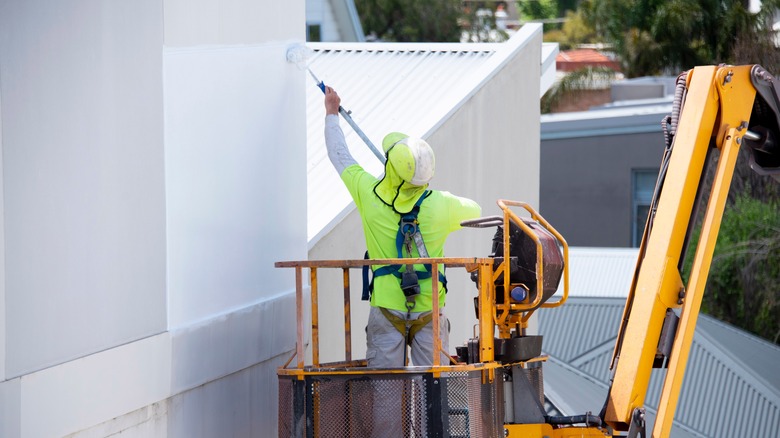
(332, 101)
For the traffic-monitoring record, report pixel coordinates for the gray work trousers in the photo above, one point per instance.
(385, 349)
(385, 344)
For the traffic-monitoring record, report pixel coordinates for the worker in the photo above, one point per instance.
(401, 303)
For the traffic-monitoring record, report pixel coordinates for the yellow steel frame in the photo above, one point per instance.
(545, 430)
(719, 103)
(490, 314)
(483, 264)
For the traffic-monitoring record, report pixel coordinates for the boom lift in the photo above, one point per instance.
(494, 386)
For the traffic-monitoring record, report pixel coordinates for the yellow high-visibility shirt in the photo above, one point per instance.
(440, 214)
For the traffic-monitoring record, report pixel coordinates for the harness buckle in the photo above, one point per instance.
(410, 284)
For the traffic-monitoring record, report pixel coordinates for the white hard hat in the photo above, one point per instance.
(412, 159)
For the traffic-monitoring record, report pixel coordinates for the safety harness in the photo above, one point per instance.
(408, 234)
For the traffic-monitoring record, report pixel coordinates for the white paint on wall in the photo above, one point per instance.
(229, 22)
(84, 392)
(208, 351)
(10, 408)
(140, 388)
(148, 422)
(84, 207)
(3, 318)
(88, 133)
(242, 404)
(235, 177)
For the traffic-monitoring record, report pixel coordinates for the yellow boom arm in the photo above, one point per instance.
(716, 113)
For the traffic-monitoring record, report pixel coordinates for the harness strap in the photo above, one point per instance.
(407, 225)
(367, 286)
(394, 270)
(400, 324)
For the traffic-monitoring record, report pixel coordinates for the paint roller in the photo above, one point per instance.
(299, 55)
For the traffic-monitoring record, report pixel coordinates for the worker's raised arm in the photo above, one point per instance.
(338, 152)
(332, 101)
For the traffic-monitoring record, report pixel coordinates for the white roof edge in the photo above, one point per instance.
(504, 52)
(549, 67)
(407, 47)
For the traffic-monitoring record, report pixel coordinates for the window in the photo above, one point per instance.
(313, 32)
(643, 184)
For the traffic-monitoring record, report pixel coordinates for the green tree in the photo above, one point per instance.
(743, 288)
(668, 36)
(575, 31)
(411, 20)
(537, 9)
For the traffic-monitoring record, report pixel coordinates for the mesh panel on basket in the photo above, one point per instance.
(365, 407)
(285, 407)
(396, 405)
(536, 378)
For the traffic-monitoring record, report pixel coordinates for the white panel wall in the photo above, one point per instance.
(202, 22)
(2, 261)
(232, 172)
(10, 408)
(85, 392)
(82, 176)
(147, 191)
(240, 405)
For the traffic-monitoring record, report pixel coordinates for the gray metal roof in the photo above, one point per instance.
(600, 272)
(574, 392)
(731, 386)
(415, 86)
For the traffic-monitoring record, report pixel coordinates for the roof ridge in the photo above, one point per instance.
(741, 332)
(598, 349)
(754, 378)
(584, 374)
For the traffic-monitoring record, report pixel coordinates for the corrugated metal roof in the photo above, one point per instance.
(392, 85)
(731, 386)
(573, 392)
(570, 390)
(600, 272)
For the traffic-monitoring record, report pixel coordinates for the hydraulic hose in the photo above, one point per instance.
(587, 419)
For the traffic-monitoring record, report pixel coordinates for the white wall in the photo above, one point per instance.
(230, 176)
(2, 261)
(84, 205)
(153, 169)
(228, 22)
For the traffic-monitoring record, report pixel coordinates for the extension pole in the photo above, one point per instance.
(346, 114)
(362, 135)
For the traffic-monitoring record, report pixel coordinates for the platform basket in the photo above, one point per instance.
(401, 404)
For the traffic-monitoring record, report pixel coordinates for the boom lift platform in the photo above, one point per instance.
(493, 387)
